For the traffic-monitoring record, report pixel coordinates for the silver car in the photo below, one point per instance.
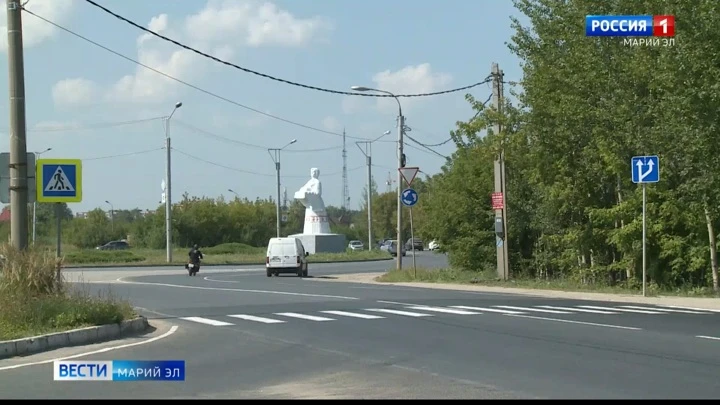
(356, 245)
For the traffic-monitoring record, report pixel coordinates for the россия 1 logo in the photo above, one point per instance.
(636, 30)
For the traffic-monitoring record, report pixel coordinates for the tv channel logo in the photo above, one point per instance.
(119, 370)
(630, 26)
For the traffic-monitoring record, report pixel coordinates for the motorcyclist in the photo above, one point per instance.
(195, 256)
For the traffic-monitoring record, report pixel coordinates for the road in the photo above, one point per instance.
(244, 335)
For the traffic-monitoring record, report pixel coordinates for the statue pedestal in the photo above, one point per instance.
(322, 243)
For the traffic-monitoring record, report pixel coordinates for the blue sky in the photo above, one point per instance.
(77, 92)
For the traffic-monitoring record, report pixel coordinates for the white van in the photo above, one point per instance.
(286, 255)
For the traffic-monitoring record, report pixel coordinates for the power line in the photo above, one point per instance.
(187, 84)
(100, 125)
(123, 155)
(425, 147)
(250, 145)
(246, 70)
(191, 156)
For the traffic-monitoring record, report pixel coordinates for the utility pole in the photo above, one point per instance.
(500, 213)
(275, 155)
(401, 163)
(345, 186)
(18, 148)
(168, 186)
(368, 159)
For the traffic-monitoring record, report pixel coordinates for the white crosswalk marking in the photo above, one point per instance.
(397, 312)
(352, 314)
(256, 318)
(524, 309)
(444, 310)
(303, 316)
(590, 311)
(681, 311)
(206, 321)
(500, 311)
(637, 311)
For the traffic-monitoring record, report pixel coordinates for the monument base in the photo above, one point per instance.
(322, 243)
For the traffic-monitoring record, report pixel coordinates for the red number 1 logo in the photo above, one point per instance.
(664, 26)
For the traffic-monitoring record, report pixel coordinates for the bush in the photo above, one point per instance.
(232, 249)
(35, 299)
(102, 256)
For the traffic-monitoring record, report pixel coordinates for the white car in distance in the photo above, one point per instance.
(356, 245)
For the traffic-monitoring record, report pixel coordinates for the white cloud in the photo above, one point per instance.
(409, 80)
(218, 29)
(353, 104)
(331, 124)
(36, 31)
(74, 92)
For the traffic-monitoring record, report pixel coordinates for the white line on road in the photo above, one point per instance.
(575, 322)
(396, 303)
(444, 310)
(172, 330)
(352, 315)
(526, 309)
(682, 311)
(120, 280)
(256, 318)
(396, 312)
(692, 309)
(303, 316)
(637, 311)
(500, 311)
(701, 337)
(206, 321)
(590, 311)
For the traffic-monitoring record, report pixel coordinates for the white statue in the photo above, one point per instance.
(310, 195)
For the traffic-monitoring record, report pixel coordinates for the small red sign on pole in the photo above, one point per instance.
(497, 201)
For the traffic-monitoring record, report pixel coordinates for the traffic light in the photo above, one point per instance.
(403, 160)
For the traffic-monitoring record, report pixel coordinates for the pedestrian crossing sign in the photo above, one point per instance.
(59, 180)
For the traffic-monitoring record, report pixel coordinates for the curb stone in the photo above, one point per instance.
(135, 265)
(84, 336)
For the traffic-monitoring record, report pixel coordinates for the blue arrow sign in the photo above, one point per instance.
(409, 197)
(645, 169)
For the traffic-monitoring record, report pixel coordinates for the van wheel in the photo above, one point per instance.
(300, 272)
(269, 273)
(305, 272)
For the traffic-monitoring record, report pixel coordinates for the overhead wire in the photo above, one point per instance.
(101, 125)
(122, 155)
(267, 76)
(187, 84)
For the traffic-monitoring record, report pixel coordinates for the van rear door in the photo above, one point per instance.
(289, 254)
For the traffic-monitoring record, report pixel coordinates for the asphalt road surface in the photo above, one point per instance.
(244, 335)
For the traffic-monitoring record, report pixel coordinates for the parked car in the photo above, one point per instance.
(415, 243)
(434, 245)
(356, 245)
(392, 248)
(114, 245)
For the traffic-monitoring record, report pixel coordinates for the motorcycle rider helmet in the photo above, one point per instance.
(195, 246)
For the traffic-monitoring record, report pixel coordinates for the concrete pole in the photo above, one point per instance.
(499, 166)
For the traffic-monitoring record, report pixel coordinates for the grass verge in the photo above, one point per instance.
(229, 253)
(454, 276)
(35, 300)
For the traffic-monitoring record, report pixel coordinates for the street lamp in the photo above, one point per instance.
(34, 221)
(112, 216)
(236, 194)
(401, 163)
(275, 155)
(168, 186)
(368, 158)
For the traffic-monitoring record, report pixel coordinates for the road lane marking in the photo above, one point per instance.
(120, 280)
(700, 336)
(525, 309)
(396, 312)
(682, 311)
(206, 321)
(256, 318)
(352, 315)
(303, 316)
(637, 311)
(172, 330)
(692, 309)
(500, 311)
(396, 303)
(444, 310)
(590, 311)
(604, 325)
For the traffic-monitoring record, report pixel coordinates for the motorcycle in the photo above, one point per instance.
(192, 269)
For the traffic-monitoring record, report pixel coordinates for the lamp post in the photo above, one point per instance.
(401, 164)
(112, 216)
(34, 220)
(275, 155)
(168, 186)
(368, 159)
(236, 194)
